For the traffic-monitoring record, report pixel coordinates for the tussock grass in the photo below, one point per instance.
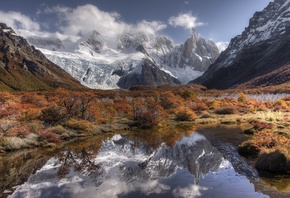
(16, 143)
(270, 116)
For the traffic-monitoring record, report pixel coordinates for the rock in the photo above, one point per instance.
(150, 75)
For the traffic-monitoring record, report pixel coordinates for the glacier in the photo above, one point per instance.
(100, 65)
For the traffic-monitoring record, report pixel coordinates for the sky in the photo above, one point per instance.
(218, 20)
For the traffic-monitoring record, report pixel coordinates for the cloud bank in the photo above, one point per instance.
(17, 20)
(74, 23)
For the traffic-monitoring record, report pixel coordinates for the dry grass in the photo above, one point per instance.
(271, 116)
(16, 143)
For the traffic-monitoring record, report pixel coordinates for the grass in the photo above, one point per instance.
(16, 143)
(270, 116)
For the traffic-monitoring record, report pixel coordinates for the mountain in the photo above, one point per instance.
(22, 67)
(126, 168)
(133, 58)
(260, 56)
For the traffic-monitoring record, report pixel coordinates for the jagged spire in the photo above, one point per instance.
(192, 31)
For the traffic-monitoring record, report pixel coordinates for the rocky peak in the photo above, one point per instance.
(252, 53)
(190, 45)
(198, 53)
(93, 42)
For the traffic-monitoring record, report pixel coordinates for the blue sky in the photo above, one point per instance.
(219, 20)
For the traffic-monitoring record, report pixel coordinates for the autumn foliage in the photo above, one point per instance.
(52, 115)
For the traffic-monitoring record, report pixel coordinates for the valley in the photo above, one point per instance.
(93, 105)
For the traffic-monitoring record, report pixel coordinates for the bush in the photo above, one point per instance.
(225, 111)
(247, 149)
(146, 117)
(242, 97)
(8, 112)
(58, 129)
(52, 115)
(275, 162)
(185, 115)
(18, 131)
(29, 115)
(80, 125)
(49, 136)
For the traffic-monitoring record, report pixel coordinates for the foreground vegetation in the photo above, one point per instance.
(41, 119)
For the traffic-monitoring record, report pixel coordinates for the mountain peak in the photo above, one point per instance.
(261, 48)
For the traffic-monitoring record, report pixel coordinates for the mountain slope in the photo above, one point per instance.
(122, 63)
(22, 67)
(256, 54)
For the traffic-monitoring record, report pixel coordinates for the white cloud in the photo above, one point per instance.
(82, 20)
(185, 20)
(17, 20)
(150, 27)
(222, 45)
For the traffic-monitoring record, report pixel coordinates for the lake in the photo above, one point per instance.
(180, 162)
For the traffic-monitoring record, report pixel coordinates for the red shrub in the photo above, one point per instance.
(49, 136)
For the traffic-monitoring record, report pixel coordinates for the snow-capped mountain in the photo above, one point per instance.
(262, 48)
(136, 58)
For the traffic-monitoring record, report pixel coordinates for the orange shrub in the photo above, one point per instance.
(185, 115)
(29, 115)
(80, 125)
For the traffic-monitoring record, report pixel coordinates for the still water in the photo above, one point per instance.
(149, 164)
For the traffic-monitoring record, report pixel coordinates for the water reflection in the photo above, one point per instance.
(122, 166)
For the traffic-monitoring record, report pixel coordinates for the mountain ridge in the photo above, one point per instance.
(23, 67)
(261, 49)
(95, 63)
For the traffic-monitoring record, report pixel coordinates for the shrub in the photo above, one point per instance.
(146, 117)
(275, 162)
(18, 131)
(52, 115)
(246, 149)
(58, 129)
(29, 115)
(81, 125)
(242, 97)
(185, 115)
(261, 126)
(187, 94)
(8, 112)
(225, 110)
(49, 136)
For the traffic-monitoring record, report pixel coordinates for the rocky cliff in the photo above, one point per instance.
(253, 57)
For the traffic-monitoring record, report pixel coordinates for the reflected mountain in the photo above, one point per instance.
(123, 167)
